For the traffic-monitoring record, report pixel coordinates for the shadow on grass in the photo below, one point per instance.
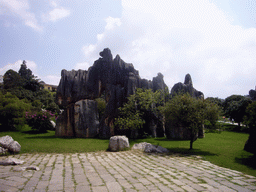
(248, 161)
(55, 137)
(186, 152)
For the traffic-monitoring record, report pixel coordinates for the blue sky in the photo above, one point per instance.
(213, 40)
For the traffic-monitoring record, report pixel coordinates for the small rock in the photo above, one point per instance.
(5, 141)
(14, 147)
(118, 143)
(149, 148)
(11, 161)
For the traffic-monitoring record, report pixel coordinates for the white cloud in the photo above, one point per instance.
(20, 9)
(56, 14)
(180, 37)
(16, 66)
(51, 79)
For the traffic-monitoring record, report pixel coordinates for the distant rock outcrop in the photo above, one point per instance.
(112, 77)
(252, 94)
(186, 87)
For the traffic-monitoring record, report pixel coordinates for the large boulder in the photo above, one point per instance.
(8, 143)
(112, 77)
(79, 120)
(118, 143)
(149, 148)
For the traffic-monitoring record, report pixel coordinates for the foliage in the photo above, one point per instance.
(235, 107)
(12, 112)
(250, 117)
(212, 111)
(12, 80)
(186, 111)
(40, 121)
(140, 106)
(101, 104)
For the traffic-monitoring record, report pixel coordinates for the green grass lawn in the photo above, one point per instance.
(224, 149)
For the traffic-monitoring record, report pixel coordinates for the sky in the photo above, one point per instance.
(212, 40)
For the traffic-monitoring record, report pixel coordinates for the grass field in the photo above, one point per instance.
(224, 149)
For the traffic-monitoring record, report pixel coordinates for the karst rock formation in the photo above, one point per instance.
(78, 90)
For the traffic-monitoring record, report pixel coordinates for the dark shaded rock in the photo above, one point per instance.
(158, 82)
(250, 145)
(186, 87)
(112, 77)
(86, 118)
(252, 94)
(79, 120)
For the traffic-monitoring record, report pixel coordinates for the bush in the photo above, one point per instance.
(40, 121)
(12, 112)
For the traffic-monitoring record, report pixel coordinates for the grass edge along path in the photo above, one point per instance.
(223, 149)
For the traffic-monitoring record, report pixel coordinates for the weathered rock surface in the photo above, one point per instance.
(5, 141)
(3, 150)
(8, 143)
(14, 147)
(113, 77)
(149, 148)
(118, 143)
(79, 120)
(186, 87)
(11, 161)
(252, 94)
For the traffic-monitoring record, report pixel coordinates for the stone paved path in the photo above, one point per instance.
(121, 171)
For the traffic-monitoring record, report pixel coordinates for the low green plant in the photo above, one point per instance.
(40, 121)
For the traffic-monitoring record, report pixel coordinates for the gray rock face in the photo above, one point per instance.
(3, 151)
(118, 143)
(149, 148)
(186, 87)
(113, 77)
(79, 120)
(252, 94)
(8, 143)
(14, 147)
(11, 161)
(5, 141)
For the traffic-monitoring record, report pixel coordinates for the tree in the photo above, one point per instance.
(140, 107)
(12, 80)
(24, 72)
(235, 107)
(250, 120)
(31, 83)
(12, 112)
(212, 112)
(185, 111)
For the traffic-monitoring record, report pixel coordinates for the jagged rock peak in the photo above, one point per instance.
(106, 55)
(188, 80)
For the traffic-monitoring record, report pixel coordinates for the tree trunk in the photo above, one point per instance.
(191, 144)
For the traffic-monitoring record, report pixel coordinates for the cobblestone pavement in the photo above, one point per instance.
(121, 171)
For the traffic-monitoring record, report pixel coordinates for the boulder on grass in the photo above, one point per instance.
(149, 148)
(8, 143)
(5, 141)
(14, 147)
(118, 143)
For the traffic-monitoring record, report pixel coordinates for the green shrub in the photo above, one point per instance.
(40, 121)
(12, 112)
